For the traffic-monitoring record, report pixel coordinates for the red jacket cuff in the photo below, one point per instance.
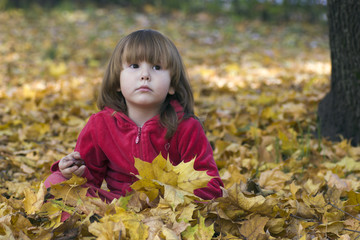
(55, 167)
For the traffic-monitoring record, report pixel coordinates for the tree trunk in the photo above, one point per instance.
(339, 111)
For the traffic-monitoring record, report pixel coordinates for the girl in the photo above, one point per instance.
(146, 108)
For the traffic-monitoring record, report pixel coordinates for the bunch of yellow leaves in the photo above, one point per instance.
(162, 206)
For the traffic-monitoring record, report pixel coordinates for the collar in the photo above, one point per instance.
(122, 116)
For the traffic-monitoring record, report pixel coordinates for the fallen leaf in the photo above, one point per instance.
(253, 228)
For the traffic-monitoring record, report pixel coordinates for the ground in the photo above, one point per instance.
(256, 86)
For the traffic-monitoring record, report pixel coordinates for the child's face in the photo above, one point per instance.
(145, 85)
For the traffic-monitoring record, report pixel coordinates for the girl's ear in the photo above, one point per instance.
(171, 91)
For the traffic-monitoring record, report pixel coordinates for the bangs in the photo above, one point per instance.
(149, 46)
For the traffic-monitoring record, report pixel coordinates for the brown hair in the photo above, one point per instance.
(153, 47)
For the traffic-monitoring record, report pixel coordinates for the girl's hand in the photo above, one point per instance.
(72, 164)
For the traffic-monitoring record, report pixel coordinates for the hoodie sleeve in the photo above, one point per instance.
(192, 142)
(94, 158)
(90, 151)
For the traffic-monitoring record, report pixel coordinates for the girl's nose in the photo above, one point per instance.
(145, 74)
(145, 77)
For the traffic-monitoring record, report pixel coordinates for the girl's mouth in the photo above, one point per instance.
(144, 89)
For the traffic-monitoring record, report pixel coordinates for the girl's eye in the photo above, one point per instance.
(157, 67)
(134, 65)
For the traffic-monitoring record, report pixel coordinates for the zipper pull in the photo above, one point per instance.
(137, 140)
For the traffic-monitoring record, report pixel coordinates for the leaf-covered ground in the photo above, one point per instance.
(256, 87)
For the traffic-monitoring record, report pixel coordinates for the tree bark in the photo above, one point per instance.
(339, 111)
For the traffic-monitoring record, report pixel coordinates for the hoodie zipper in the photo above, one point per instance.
(137, 140)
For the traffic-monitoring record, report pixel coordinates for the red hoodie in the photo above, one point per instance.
(110, 140)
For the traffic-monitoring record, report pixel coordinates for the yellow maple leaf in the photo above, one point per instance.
(154, 224)
(121, 224)
(53, 212)
(17, 223)
(75, 181)
(159, 169)
(163, 171)
(174, 196)
(332, 227)
(57, 69)
(199, 231)
(70, 191)
(350, 164)
(145, 169)
(354, 200)
(107, 230)
(147, 186)
(314, 201)
(250, 203)
(273, 179)
(190, 179)
(186, 213)
(275, 225)
(352, 223)
(311, 187)
(33, 202)
(147, 174)
(333, 216)
(6, 232)
(169, 233)
(164, 212)
(132, 222)
(37, 130)
(288, 140)
(160, 172)
(254, 227)
(18, 188)
(294, 189)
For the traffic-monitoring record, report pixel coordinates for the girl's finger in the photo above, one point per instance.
(73, 156)
(66, 159)
(65, 163)
(69, 171)
(76, 155)
(80, 171)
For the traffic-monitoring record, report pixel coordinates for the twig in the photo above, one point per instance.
(351, 230)
(343, 211)
(346, 229)
(305, 219)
